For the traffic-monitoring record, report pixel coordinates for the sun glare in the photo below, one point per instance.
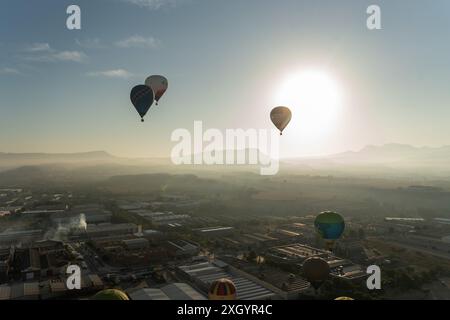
(315, 100)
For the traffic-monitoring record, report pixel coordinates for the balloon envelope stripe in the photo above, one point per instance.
(222, 289)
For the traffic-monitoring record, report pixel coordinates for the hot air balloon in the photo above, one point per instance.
(344, 298)
(316, 271)
(158, 84)
(222, 289)
(142, 98)
(330, 226)
(110, 294)
(281, 116)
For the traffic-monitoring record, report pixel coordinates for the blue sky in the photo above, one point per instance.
(68, 91)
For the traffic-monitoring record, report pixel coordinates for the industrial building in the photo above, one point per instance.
(48, 289)
(396, 219)
(134, 244)
(204, 273)
(6, 211)
(255, 241)
(132, 205)
(287, 285)
(298, 253)
(442, 220)
(162, 218)
(288, 234)
(105, 231)
(68, 217)
(214, 231)
(20, 236)
(294, 253)
(174, 291)
(20, 291)
(153, 234)
(345, 269)
(42, 211)
(353, 249)
(42, 259)
(6, 256)
(182, 248)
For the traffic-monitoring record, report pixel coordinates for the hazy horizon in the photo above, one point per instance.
(288, 157)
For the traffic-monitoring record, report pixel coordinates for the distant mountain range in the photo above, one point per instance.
(388, 160)
(397, 153)
(385, 155)
(21, 159)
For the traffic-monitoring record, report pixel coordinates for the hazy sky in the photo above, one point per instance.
(68, 91)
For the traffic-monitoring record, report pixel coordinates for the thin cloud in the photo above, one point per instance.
(43, 52)
(94, 43)
(74, 56)
(116, 73)
(39, 47)
(9, 71)
(153, 4)
(138, 42)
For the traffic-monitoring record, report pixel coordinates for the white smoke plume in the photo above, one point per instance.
(62, 231)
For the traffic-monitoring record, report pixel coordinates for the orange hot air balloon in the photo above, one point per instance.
(316, 271)
(281, 116)
(222, 289)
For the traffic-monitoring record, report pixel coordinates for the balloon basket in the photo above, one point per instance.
(329, 245)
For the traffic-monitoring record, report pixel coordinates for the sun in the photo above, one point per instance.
(315, 100)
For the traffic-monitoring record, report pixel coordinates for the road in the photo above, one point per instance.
(438, 291)
(398, 243)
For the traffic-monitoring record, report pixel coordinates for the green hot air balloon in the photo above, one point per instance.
(281, 116)
(316, 270)
(330, 226)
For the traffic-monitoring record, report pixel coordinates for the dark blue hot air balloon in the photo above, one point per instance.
(142, 98)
